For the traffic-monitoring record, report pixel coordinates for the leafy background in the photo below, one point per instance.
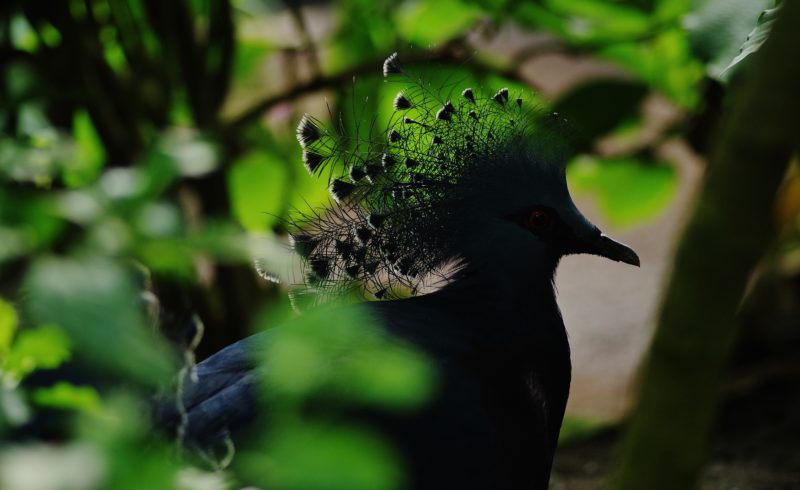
(148, 157)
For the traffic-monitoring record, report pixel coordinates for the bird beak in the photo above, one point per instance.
(612, 249)
(589, 239)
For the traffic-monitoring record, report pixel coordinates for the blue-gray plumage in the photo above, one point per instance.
(479, 183)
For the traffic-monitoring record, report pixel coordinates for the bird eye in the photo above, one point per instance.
(538, 220)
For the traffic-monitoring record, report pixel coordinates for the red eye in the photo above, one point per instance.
(538, 220)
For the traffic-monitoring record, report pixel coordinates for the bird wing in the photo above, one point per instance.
(220, 394)
(217, 396)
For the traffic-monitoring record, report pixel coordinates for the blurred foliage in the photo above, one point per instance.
(145, 145)
(332, 361)
(617, 182)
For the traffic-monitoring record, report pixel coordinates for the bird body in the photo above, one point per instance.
(473, 191)
(504, 381)
(502, 384)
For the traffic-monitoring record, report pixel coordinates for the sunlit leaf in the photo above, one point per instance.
(68, 396)
(45, 347)
(23, 36)
(308, 191)
(8, 325)
(597, 21)
(664, 61)
(628, 192)
(256, 183)
(33, 123)
(671, 10)
(114, 54)
(90, 155)
(429, 23)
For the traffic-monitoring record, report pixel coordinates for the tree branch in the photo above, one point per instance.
(451, 53)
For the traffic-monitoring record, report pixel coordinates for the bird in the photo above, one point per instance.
(450, 224)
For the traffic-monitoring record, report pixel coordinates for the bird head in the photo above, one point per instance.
(458, 179)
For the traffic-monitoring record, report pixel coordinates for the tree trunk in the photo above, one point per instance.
(667, 440)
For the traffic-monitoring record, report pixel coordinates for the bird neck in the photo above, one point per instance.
(514, 282)
(517, 273)
(508, 297)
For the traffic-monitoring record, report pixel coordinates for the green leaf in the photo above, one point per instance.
(664, 62)
(68, 396)
(717, 29)
(90, 155)
(8, 325)
(671, 10)
(39, 348)
(96, 302)
(599, 21)
(753, 42)
(369, 369)
(628, 192)
(313, 456)
(23, 36)
(31, 219)
(597, 107)
(434, 22)
(256, 184)
(308, 192)
(389, 376)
